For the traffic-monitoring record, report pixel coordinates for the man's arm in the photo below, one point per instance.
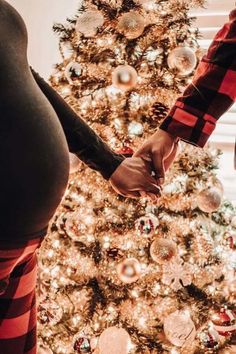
(211, 93)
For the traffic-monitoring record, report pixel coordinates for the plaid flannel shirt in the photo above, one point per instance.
(211, 93)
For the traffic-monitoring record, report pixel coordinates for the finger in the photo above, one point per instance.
(170, 159)
(158, 164)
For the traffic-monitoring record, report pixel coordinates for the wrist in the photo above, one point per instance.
(173, 137)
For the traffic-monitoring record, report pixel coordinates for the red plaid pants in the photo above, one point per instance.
(18, 312)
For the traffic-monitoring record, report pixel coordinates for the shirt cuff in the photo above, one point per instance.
(188, 127)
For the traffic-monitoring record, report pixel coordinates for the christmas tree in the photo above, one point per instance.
(125, 276)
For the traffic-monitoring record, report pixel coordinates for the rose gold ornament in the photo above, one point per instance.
(209, 200)
(75, 163)
(179, 328)
(182, 59)
(129, 270)
(163, 250)
(114, 340)
(89, 22)
(124, 77)
(131, 25)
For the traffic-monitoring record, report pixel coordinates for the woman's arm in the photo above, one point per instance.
(81, 139)
(212, 92)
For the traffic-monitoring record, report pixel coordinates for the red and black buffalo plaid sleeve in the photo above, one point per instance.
(211, 93)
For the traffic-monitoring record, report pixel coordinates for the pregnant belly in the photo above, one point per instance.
(34, 160)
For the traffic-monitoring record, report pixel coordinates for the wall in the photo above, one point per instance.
(39, 16)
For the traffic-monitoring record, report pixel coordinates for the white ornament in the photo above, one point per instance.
(89, 22)
(135, 129)
(179, 328)
(182, 59)
(176, 274)
(114, 340)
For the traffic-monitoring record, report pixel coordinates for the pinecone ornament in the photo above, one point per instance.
(159, 111)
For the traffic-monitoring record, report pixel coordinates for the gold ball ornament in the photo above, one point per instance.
(75, 163)
(124, 77)
(114, 340)
(179, 328)
(182, 59)
(42, 349)
(129, 270)
(163, 250)
(209, 199)
(131, 25)
(89, 22)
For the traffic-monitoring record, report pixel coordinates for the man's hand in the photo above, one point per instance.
(133, 177)
(160, 151)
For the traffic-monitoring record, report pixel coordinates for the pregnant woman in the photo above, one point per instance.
(37, 131)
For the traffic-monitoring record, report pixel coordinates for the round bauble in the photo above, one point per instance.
(209, 339)
(89, 22)
(44, 350)
(179, 328)
(182, 59)
(126, 151)
(224, 322)
(135, 129)
(163, 250)
(124, 77)
(75, 163)
(147, 224)
(82, 345)
(73, 71)
(129, 270)
(209, 200)
(131, 25)
(114, 340)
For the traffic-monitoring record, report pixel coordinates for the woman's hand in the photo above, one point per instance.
(133, 177)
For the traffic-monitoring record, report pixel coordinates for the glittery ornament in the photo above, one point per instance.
(163, 250)
(152, 54)
(114, 340)
(147, 224)
(79, 223)
(182, 59)
(44, 350)
(209, 339)
(209, 200)
(89, 22)
(224, 322)
(131, 25)
(203, 246)
(49, 313)
(232, 15)
(179, 328)
(135, 129)
(73, 71)
(129, 270)
(75, 163)
(124, 77)
(82, 345)
(126, 151)
(177, 274)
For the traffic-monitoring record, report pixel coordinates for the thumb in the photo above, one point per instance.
(158, 164)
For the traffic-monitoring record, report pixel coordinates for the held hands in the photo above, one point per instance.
(159, 151)
(133, 177)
